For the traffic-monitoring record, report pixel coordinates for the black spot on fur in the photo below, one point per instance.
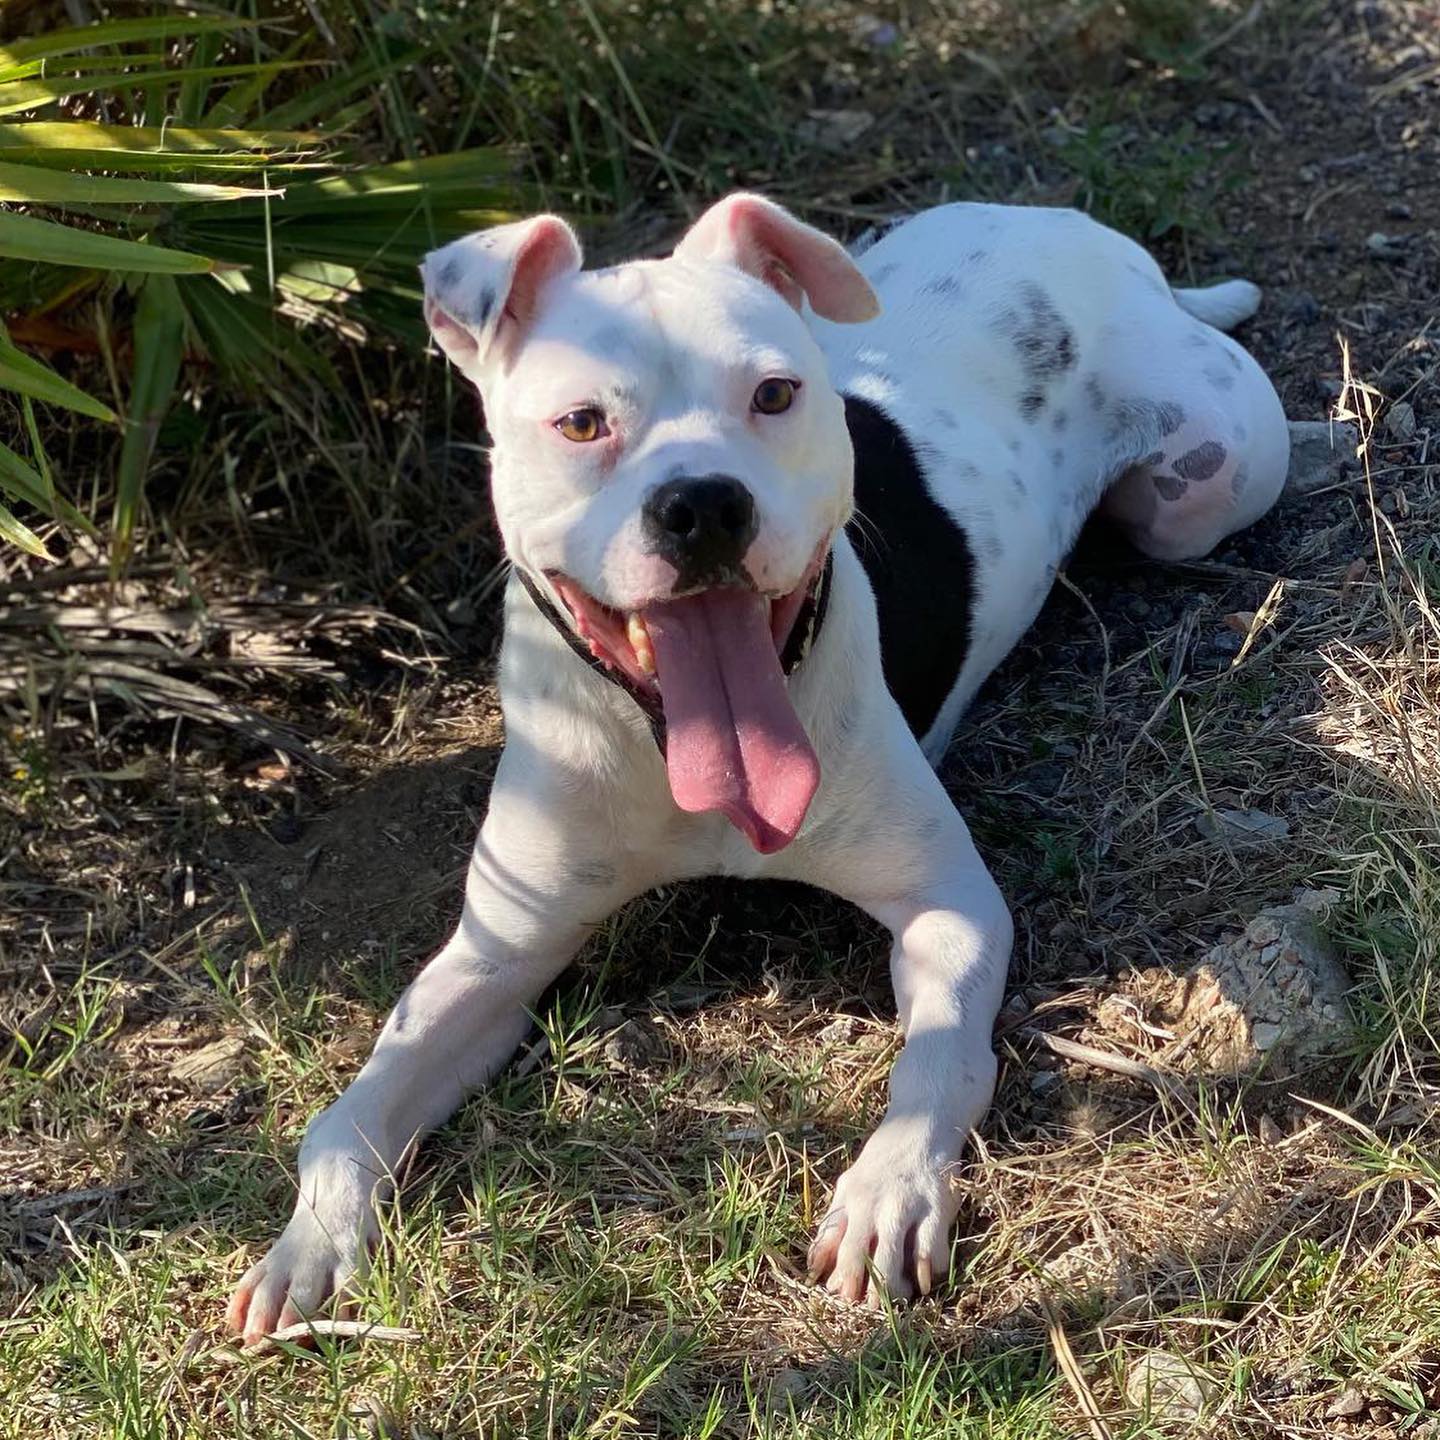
(484, 304)
(977, 257)
(882, 273)
(1240, 480)
(943, 418)
(919, 564)
(1032, 402)
(594, 873)
(1169, 488)
(1015, 482)
(1219, 379)
(1013, 445)
(1059, 421)
(449, 275)
(1094, 392)
(1057, 459)
(1201, 462)
(942, 285)
(1144, 421)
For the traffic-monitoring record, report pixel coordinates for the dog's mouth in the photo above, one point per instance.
(711, 666)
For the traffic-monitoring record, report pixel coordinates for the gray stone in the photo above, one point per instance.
(1163, 1386)
(1321, 453)
(212, 1067)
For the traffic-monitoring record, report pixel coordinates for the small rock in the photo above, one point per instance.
(1385, 247)
(1243, 829)
(632, 1046)
(460, 611)
(1350, 1403)
(1320, 453)
(1270, 1133)
(212, 1066)
(834, 129)
(1398, 210)
(1167, 1387)
(1400, 421)
(1044, 1081)
(1239, 621)
(840, 1031)
(1264, 1036)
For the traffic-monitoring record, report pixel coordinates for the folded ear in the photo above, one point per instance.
(482, 292)
(795, 259)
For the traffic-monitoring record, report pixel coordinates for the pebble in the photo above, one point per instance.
(1167, 1387)
(1400, 420)
(1351, 1402)
(1385, 247)
(1320, 453)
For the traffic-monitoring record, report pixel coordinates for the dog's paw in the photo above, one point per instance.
(318, 1257)
(888, 1227)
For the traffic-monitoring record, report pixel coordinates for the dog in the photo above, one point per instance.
(774, 512)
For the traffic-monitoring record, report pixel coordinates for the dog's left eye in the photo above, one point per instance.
(582, 426)
(774, 396)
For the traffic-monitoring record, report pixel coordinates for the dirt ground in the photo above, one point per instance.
(180, 856)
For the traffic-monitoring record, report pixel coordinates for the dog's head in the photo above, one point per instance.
(670, 458)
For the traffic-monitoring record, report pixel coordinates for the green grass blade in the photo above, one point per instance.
(117, 32)
(31, 94)
(29, 137)
(20, 479)
(35, 185)
(27, 376)
(18, 533)
(23, 237)
(159, 349)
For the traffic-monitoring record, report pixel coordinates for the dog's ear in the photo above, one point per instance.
(482, 292)
(795, 259)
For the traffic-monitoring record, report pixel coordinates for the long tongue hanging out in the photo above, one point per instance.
(733, 740)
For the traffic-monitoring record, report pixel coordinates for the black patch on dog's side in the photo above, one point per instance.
(1201, 462)
(919, 563)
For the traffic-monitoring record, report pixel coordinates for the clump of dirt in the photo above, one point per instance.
(1273, 996)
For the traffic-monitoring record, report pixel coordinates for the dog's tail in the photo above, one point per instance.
(1223, 306)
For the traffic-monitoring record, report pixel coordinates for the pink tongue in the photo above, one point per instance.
(733, 740)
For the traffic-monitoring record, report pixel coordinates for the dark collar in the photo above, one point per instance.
(803, 635)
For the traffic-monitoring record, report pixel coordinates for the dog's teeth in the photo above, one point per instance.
(639, 638)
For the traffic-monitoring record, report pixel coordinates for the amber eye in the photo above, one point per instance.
(774, 396)
(582, 426)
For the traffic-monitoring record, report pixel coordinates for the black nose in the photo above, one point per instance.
(702, 525)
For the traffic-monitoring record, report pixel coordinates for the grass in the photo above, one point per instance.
(201, 928)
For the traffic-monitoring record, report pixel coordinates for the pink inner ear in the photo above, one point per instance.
(794, 259)
(549, 249)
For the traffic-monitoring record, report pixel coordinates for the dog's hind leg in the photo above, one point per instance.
(1196, 439)
(542, 876)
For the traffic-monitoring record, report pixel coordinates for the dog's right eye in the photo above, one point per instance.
(582, 426)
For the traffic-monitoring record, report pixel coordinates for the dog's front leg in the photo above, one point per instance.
(541, 877)
(894, 1208)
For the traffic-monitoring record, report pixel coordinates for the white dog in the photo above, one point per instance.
(775, 512)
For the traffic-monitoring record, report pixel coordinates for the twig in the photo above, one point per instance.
(328, 1329)
(1074, 1377)
(1167, 1085)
